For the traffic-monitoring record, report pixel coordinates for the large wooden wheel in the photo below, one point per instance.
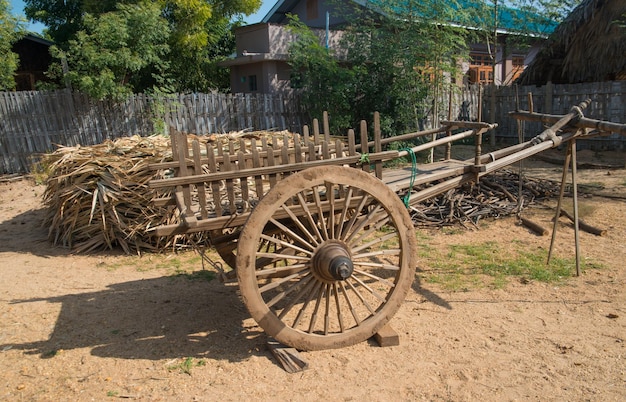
(225, 243)
(341, 261)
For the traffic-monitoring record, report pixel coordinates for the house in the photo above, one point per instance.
(260, 63)
(35, 59)
(588, 46)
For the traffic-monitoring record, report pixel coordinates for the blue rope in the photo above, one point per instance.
(407, 196)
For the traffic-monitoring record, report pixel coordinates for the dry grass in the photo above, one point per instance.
(98, 196)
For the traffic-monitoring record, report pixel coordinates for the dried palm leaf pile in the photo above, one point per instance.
(98, 196)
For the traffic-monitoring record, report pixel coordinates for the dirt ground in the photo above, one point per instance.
(96, 327)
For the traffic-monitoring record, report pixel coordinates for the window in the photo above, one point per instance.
(518, 66)
(481, 71)
(478, 59)
(252, 87)
(311, 9)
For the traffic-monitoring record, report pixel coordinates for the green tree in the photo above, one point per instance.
(419, 50)
(63, 19)
(118, 52)
(325, 84)
(199, 33)
(525, 21)
(11, 30)
(395, 57)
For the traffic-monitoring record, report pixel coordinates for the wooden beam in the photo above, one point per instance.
(583, 122)
(266, 170)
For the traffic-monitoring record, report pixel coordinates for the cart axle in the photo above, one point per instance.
(332, 262)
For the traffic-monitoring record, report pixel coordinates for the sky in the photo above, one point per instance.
(258, 16)
(17, 8)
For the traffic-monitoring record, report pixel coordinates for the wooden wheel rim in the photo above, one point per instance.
(351, 310)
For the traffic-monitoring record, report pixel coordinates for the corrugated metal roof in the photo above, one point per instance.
(509, 19)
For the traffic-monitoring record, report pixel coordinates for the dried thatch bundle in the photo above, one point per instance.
(98, 196)
(588, 46)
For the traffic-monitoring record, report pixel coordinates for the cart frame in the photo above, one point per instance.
(323, 246)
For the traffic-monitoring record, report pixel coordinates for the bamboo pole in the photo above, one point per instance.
(575, 188)
(583, 122)
(559, 204)
(449, 130)
(520, 139)
(576, 112)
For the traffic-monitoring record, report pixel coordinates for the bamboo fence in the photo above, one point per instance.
(33, 123)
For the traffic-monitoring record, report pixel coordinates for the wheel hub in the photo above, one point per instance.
(332, 262)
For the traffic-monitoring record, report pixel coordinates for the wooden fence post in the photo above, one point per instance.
(548, 93)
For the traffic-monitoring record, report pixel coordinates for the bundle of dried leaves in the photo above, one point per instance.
(98, 196)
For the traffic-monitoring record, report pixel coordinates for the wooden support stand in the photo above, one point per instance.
(387, 336)
(288, 357)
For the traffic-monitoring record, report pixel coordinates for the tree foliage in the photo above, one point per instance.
(198, 34)
(118, 52)
(524, 21)
(63, 18)
(396, 57)
(11, 30)
(325, 84)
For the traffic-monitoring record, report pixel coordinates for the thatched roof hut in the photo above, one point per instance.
(588, 46)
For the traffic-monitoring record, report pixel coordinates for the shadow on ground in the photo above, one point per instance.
(25, 233)
(160, 318)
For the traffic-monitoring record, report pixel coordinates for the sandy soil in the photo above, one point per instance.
(75, 327)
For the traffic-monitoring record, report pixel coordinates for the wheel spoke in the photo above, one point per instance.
(353, 219)
(374, 227)
(320, 296)
(330, 196)
(389, 251)
(350, 224)
(344, 212)
(277, 283)
(306, 278)
(372, 291)
(288, 231)
(355, 315)
(338, 306)
(310, 283)
(327, 310)
(263, 246)
(300, 226)
(309, 216)
(380, 265)
(263, 273)
(378, 278)
(320, 213)
(279, 256)
(285, 244)
(360, 296)
(377, 240)
(313, 293)
(363, 222)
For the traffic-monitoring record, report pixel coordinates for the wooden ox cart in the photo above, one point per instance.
(322, 245)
